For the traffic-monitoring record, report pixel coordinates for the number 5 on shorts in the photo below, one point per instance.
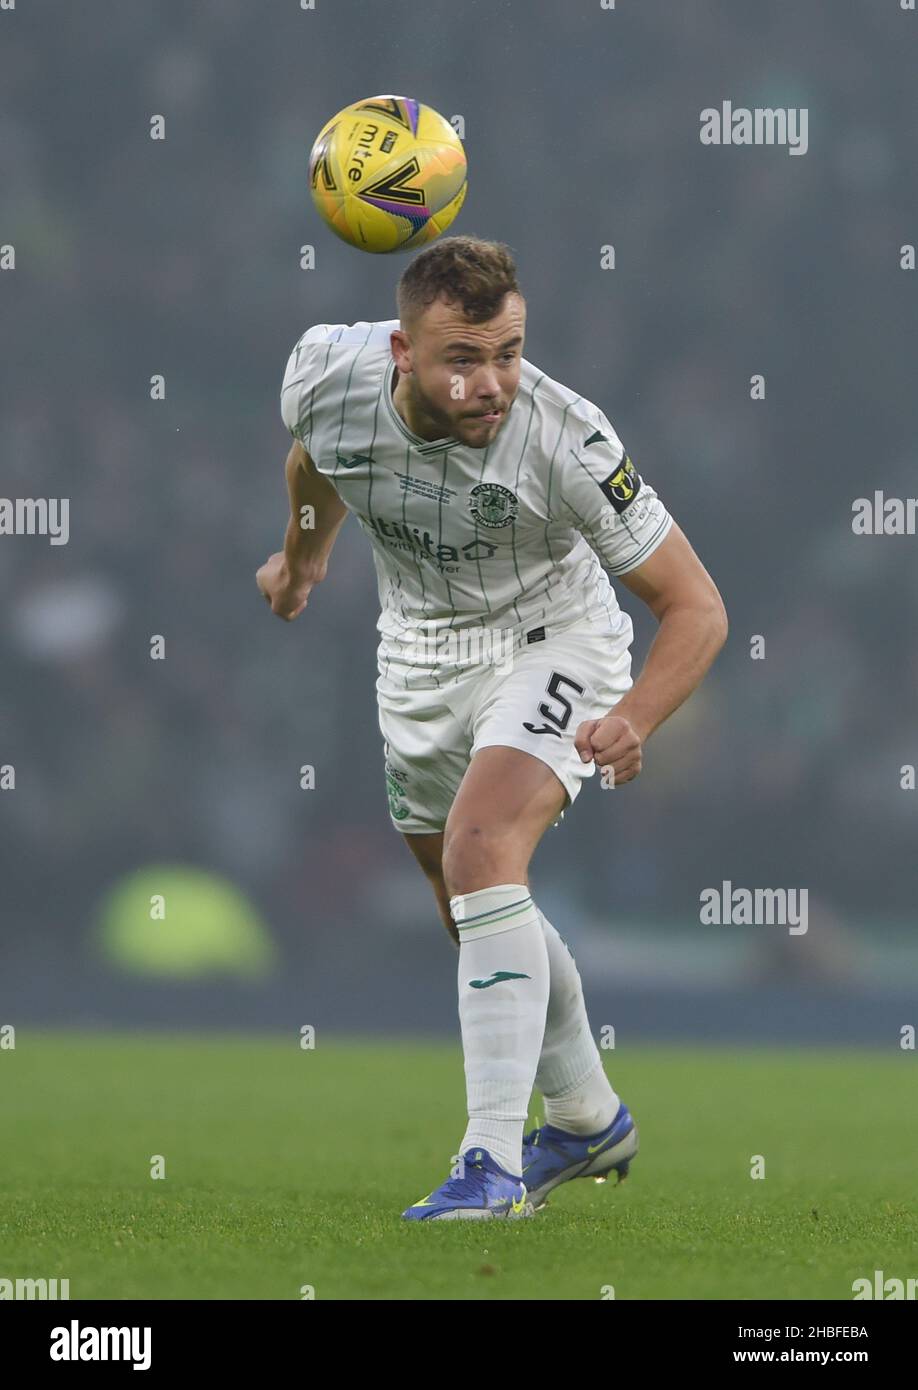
(557, 723)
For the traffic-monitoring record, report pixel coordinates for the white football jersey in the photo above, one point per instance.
(515, 535)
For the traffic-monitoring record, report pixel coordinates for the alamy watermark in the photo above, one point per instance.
(81, 1343)
(759, 125)
(36, 516)
(883, 1287)
(464, 646)
(881, 515)
(38, 1289)
(729, 906)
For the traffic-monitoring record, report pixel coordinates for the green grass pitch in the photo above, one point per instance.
(287, 1168)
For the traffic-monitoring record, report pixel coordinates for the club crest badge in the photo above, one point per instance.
(493, 505)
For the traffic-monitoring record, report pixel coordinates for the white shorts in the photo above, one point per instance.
(433, 722)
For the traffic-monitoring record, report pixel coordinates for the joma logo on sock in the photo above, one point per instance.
(726, 906)
(497, 978)
(763, 125)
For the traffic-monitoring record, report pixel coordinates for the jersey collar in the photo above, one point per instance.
(423, 446)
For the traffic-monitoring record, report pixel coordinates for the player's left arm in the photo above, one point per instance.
(686, 603)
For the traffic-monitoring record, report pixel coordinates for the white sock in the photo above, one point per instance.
(502, 1023)
(578, 1096)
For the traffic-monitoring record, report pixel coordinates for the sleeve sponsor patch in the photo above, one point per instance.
(622, 486)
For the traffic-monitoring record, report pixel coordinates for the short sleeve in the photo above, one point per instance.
(297, 398)
(598, 490)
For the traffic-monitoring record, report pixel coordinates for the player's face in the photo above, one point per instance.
(464, 376)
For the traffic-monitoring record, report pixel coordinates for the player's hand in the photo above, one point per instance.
(611, 742)
(287, 594)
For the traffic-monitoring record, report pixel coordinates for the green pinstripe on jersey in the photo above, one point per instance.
(483, 586)
(347, 386)
(519, 463)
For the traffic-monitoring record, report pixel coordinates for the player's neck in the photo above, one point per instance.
(417, 419)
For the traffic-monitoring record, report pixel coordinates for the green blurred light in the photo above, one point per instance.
(209, 927)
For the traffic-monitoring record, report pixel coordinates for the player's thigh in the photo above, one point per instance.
(426, 752)
(550, 689)
(525, 768)
(506, 802)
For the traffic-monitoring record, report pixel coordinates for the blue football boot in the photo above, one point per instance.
(552, 1156)
(483, 1190)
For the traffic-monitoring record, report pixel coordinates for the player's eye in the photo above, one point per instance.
(466, 361)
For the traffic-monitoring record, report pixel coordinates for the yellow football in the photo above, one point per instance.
(388, 174)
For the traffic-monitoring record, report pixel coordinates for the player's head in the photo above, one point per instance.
(460, 344)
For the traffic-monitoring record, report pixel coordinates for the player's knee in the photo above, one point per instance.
(477, 856)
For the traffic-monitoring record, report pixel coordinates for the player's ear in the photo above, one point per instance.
(400, 344)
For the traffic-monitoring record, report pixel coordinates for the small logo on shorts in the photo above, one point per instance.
(395, 792)
(493, 505)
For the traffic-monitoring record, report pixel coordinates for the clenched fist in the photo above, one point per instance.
(610, 742)
(286, 593)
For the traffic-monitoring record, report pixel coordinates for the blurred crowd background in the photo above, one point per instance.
(135, 257)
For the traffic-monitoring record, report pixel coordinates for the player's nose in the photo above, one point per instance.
(487, 386)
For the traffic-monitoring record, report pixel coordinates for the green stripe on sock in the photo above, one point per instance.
(512, 910)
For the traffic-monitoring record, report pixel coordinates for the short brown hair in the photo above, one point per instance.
(464, 270)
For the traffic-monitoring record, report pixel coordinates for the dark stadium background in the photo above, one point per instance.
(137, 257)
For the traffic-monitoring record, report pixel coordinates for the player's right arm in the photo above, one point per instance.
(316, 512)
